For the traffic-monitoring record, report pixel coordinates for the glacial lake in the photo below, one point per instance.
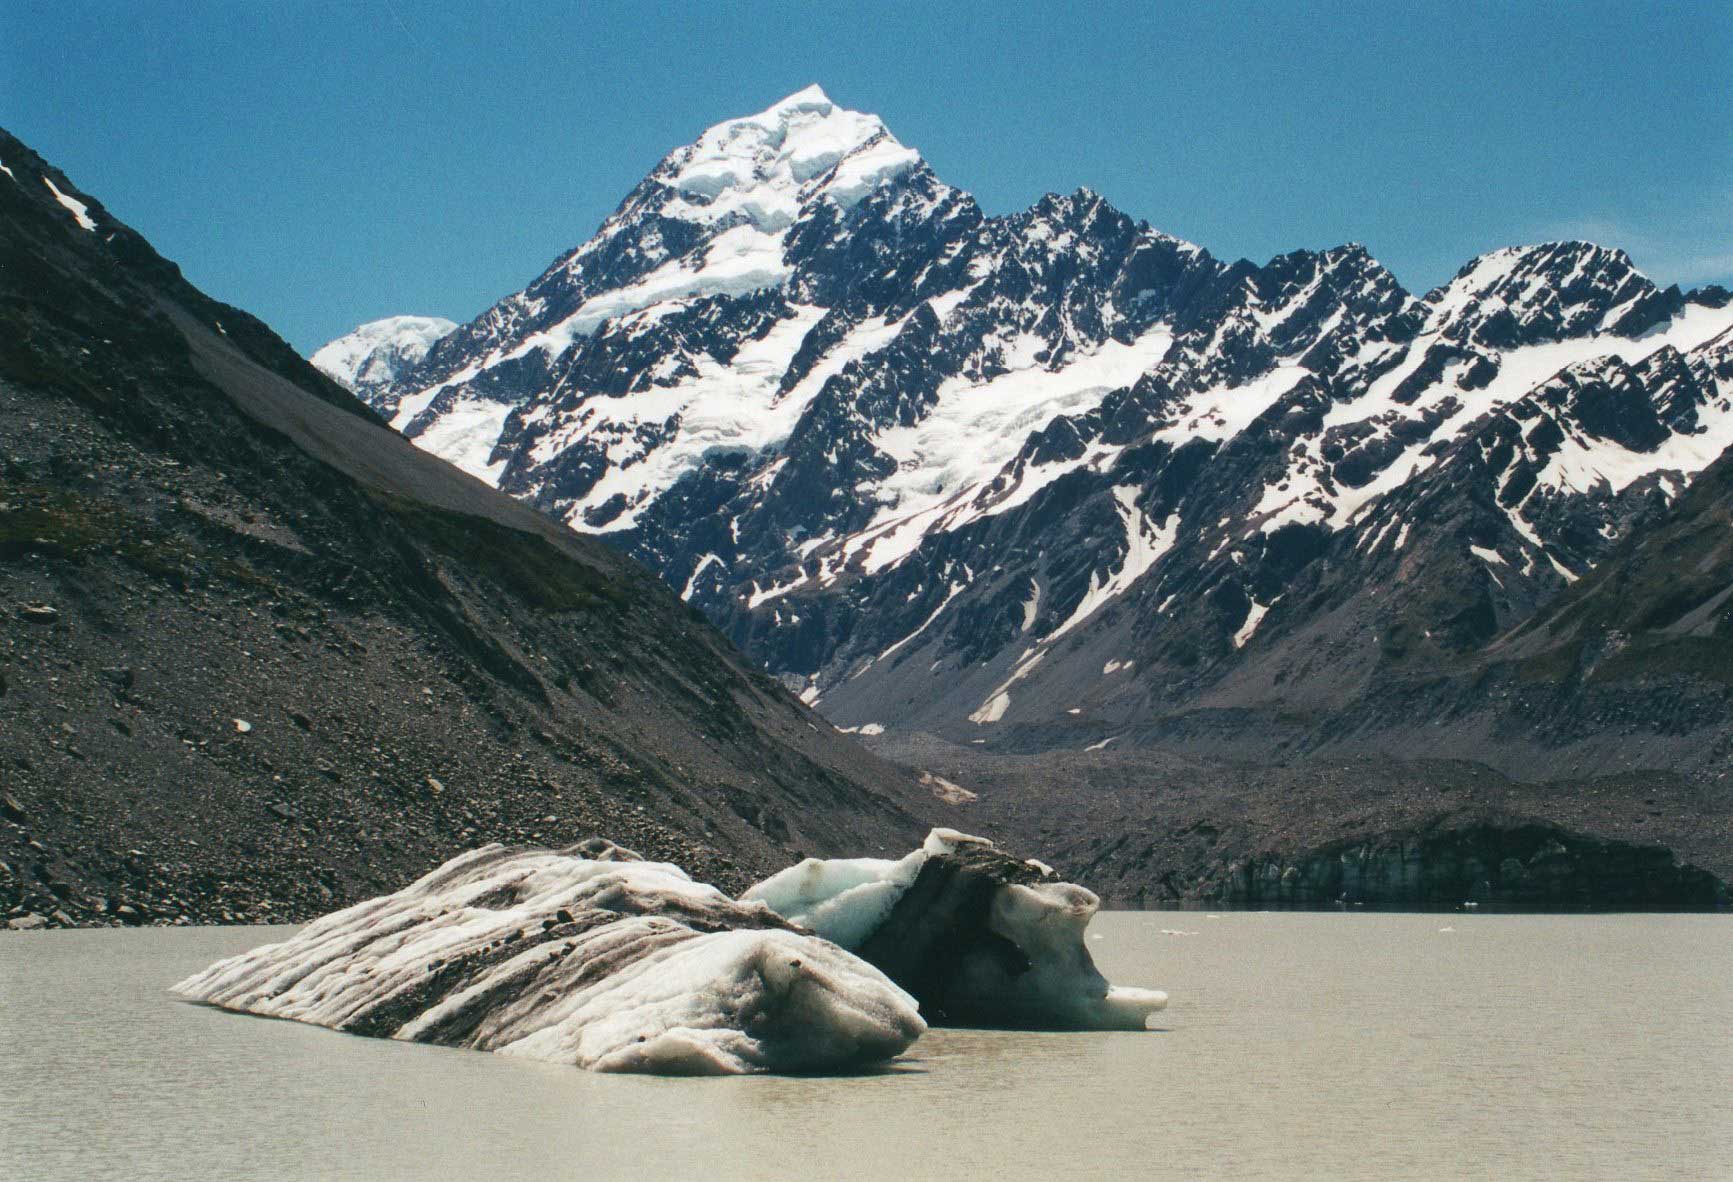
(1296, 1045)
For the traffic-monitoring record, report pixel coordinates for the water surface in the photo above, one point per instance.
(1296, 1045)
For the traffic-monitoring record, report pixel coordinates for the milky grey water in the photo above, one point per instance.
(1296, 1045)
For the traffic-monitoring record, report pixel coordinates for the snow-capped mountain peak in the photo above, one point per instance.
(952, 470)
(378, 353)
(765, 167)
(1527, 294)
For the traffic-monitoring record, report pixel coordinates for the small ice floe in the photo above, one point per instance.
(242, 725)
(1176, 932)
(1019, 962)
(1447, 929)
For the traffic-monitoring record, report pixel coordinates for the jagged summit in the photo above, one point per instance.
(1525, 294)
(765, 167)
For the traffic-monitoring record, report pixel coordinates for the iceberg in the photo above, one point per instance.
(588, 956)
(594, 957)
(977, 936)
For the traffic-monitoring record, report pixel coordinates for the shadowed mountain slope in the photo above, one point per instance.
(260, 655)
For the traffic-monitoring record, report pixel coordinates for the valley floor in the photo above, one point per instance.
(1150, 827)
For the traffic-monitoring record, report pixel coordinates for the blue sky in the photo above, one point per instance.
(325, 164)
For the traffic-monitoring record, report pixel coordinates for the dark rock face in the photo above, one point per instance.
(1530, 866)
(260, 657)
(1159, 828)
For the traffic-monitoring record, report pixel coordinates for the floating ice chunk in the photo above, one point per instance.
(978, 936)
(601, 961)
(842, 899)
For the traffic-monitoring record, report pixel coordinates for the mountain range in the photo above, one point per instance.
(1057, 482)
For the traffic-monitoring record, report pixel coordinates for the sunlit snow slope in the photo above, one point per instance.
(371, 359)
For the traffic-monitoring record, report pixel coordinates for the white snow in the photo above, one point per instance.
(380, 351)
(748, 180)
(466, 434)
(738, 261)
(1254, 617)
(1032, 605)
(952, 593)
(731, 408)
(704, 564)
(993, 709)
(947, 461)
(1584, 464)
(766, 166)
(1145, 543)
(79, 210)
(641, 991)
(1580, 464)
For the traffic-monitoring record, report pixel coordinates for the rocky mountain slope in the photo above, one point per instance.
(1055, 480)
(259, 655)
